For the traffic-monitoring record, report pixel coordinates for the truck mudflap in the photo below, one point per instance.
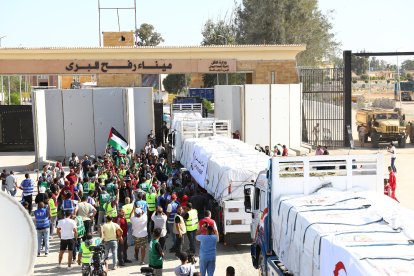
(253, 252)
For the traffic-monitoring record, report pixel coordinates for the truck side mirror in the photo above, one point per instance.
(247, 198)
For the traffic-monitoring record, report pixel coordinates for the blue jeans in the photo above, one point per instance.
(12, 193)
(130, 239)
(43, 234)
(394, 169)
(191, 238)
(113, 246)
(170, 227)
(207, 266)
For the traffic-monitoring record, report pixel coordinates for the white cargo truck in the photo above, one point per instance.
(222, 166)
(327, 215)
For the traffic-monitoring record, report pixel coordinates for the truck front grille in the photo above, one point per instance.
(392, 129)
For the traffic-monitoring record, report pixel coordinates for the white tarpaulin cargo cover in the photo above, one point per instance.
(344, 233)
(231, 164)
(183, 116)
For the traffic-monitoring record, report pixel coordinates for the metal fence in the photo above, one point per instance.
(16, 128)
(323, 107)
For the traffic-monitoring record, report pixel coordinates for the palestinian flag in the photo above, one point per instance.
(118, 142)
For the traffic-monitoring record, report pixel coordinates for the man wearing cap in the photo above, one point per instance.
(171, 212)
(139, 233)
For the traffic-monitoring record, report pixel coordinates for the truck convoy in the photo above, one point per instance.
(382, 125)
(327, 215)
(220, 165)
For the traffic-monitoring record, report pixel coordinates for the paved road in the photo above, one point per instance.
(237, 256)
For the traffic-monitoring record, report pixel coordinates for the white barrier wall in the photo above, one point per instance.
(54, 123)
(256, 127)
(227, 104)
(108, 111)
(39, 112)
(268, 114)
(79, 120)
(144, 114)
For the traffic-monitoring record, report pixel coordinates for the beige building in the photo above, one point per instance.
(121, 64)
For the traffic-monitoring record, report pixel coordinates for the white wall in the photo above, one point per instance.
(280, 114)
(295, 118)
(39, 112)
(54, 123)
(108, 111)
(256, 126)
(78, 121)
(227, 104)
(144, 115)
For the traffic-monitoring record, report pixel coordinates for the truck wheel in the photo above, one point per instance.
(401, 143)
(374, 140)
(261, 263)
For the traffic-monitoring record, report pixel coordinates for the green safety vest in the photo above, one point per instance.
(154, 258)
(128, 209)
(86, 253)
(110, 211)
(86, 187)
(151, 200)
(80, 226)
(52, 208)
(192, 222)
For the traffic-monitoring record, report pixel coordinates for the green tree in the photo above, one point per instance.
(359, 65)
(408, 64)
(148, 36)
(14, 89)
(287, 22)
(175, 83)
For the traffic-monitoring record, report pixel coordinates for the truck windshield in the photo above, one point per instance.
(393, 116)
(381, 116)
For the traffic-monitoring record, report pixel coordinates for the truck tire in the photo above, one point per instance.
(375, 140)
(401, 143)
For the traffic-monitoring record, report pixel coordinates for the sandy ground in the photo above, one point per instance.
(237, 256)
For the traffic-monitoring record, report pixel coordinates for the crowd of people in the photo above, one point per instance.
(120, 200)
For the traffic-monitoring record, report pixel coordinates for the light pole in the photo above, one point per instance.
(398, 81)
(225, 39)
(1, 37)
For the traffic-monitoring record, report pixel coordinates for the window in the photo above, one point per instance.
(272, 77)
(263, 202)
(256, 198)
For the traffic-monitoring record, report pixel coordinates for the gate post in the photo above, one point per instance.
(347, 95)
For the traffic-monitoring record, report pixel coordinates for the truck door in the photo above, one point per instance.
(255, 213)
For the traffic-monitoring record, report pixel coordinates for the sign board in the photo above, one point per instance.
(127, 66)
(198, 165)
(351, 139)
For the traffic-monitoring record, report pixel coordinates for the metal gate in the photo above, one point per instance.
(323, 107)
(16, 128)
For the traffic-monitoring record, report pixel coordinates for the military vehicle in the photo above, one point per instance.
(382, 125)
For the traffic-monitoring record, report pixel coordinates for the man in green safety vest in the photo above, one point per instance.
(151, 199)
(128, 207)
(80, 227)
(85, 254)
(52, 203)
(110, 209)
(191, 225)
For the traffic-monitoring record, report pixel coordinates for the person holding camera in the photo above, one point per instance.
(159, 219)
(208, 250)
(186, 268)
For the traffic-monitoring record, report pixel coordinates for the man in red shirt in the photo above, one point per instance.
(72, 177)
(392, 181)
(67, 189)
(205, 222)
(122, 243)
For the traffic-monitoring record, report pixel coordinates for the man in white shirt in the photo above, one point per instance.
(139, 233)
(11, 184)
(67, 233)
(390, 149)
